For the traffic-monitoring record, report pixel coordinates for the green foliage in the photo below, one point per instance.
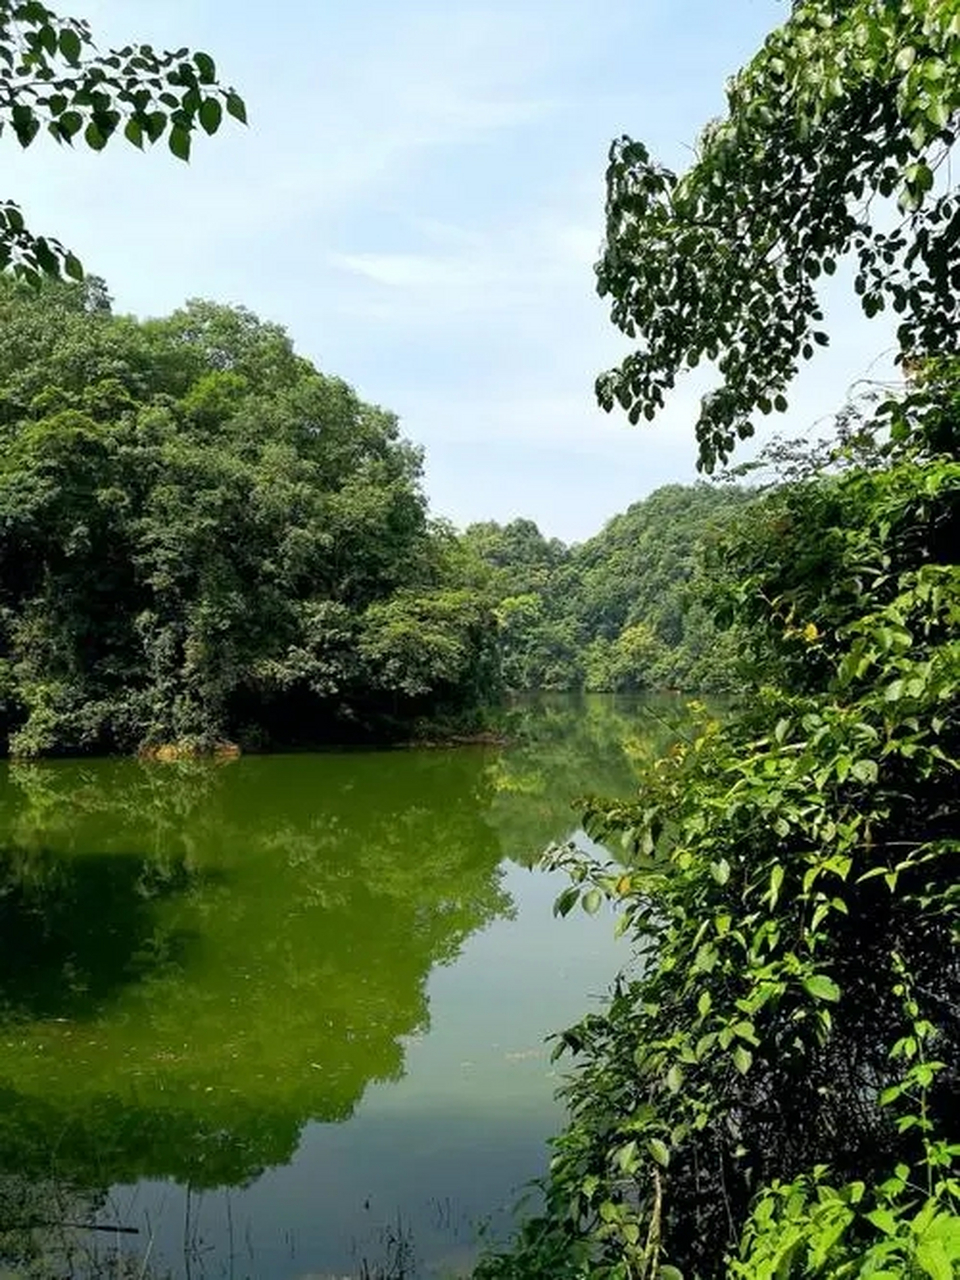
(834, 139)
(627, 610)
(55, 80)
(778, 1082)
(203, 538)
(773, 1090)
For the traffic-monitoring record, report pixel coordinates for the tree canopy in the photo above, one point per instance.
(848, 109)
(202, 537)
(625, 610)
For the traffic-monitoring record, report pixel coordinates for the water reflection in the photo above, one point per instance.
(199, 959)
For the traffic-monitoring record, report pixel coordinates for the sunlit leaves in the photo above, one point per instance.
(796, 925)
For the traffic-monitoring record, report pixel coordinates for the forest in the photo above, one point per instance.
(204, 540)
(631, 608)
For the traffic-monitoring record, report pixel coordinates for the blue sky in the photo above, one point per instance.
(419, 200)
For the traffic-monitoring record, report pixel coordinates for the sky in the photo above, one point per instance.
(418, 199)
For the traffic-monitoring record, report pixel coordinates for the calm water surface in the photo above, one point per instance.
(285, 1017)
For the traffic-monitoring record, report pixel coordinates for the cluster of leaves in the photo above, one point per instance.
(625, 610)
(202, 537)
(53, 79)
(774, 1092)
(849, 102)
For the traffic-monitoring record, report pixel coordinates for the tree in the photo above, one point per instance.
(568, 614)
(53, 78)
(772, 1091)
(850, 107)
(203, 537)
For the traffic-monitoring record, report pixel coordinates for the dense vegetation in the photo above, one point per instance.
(202, 538)
(628, 609)
(205, 540)
(773, 1091)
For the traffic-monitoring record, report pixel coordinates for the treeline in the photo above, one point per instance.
(634, 607)
(204, 539)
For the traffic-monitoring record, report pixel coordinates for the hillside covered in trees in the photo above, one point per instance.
(631, 608)
(204, 539)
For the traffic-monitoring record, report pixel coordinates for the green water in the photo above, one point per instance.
(284, 1016)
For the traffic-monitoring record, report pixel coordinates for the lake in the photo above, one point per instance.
(285, 1016)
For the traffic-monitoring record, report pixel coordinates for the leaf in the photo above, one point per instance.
(70, 123)
(206, 68)
(155, 123)
(742, 1059)
(133, 132)
(73, 267)
(668, 1272)
(211, 113)
(821, 987)
(865, 771)
(660, 1152)
(592, 901)
(884, 1220)
(93, 137)
(236, 107)
(720, 871)
(70, 45)
(565, 901)
(179, 142)
(935, 1261)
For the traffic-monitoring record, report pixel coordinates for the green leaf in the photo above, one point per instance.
(73, 267)
(236, 107)
(884, 1220)
(821, 987)
(865, 771)
(742, 1059)
(206, 68)
(47, 260)
(592, 901)
(675, 1078)
(70, 123)
(935, 1261)
(211, 113)
(720, 871)
(48, 39)
(660, 1151)
(566, 901)
(155, 123)
(93, 137)
(668, 1272)
(133, 132)
(179, 142)
(70, 45)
